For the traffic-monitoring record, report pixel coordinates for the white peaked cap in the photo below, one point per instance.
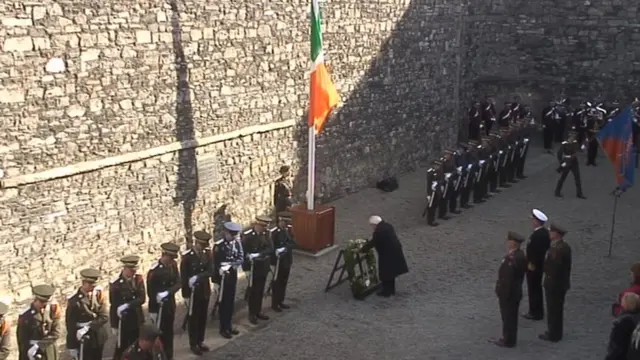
(375, 220)
(539, 215)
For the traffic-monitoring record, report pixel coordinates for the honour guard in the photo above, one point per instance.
(506, 115)
(537, 247)
(517, 109)
(465, 161)
(196, 268)
(257, 250)
(163, 281)
(127, 294)
(593, 121)
(556, 283)
(488, 114)
(39, 326)
(524, 150)
(493, 167)
(475, 121)
(282, 190)
(505, 157)
(147, 347)
(445, 189)
(568, 162)
(229, 256)
(433, 196)
(4, 332)
(479, 165)
(560, 119)
(86, 317)
(509, 289)
(282, 259)
(579, 121)
(451, 161)
(548, 125)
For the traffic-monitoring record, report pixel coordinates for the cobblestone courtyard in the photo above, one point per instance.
(446, 307)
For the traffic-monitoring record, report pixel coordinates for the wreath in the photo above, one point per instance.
(360, 279)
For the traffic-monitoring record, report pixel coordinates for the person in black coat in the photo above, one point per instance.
(391, 261)
(620, 338)
(537, 247)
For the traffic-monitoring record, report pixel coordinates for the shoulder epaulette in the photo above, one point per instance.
(219, 242)
(153, 266)
(115, 280)
(25, 310)
(247, 232)
(186, 252)
(273, 229)
(564, 143)
(72, 295)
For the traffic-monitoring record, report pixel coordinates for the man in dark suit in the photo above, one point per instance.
(509, 289)
(557, 274)
(537, 247)
(391, 261)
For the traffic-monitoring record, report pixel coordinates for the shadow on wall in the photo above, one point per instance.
(186, 190)
(391, 121)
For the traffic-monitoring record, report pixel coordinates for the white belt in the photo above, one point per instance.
(35, 342)
(83, 324)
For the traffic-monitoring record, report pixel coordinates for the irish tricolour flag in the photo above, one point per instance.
(323, 95)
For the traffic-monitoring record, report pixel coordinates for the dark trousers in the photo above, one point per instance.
(93, 346)
(547, 137)
(509, 314)
(225, 308)
(478, 193)
(389, 286)
(488, 124)
(474, 131)
(129, 333)
(432, 209)
(166, 326)
(520, 167)
(503, 174)
(555, 314)
(465, 193)
(453, 201)
(279, 288)
(575, 169)
(582, 134)
(492, 178)
(256, 293)
(443, 206)
(592, 151)
(536, 302)
(558, 131)
(197, 325)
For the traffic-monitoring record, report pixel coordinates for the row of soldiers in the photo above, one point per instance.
(483, 117)
(205, 264)
(475, 170)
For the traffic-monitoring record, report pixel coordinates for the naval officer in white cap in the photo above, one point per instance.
(537, 247)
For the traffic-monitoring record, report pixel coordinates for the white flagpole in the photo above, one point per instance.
(311, 175)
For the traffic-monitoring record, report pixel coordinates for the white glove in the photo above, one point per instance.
(526, 141)
(121, 309)
(482, 162)
(253, 256)
(216, 288)
(500, 152)
(469, 166)
(74, 354)
(82, 332)
(582, 147)
(544, 126)
(193, 280)
(153, 317)
(281, 250)
(564, 164)
(31, 353)
(459, 168)
(114, 331)
(161, 296)
(224, 268)
(447, 176)
(434, 186)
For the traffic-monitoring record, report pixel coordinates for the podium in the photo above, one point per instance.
(314, 230)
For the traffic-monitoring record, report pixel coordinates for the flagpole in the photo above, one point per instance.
(311, 171)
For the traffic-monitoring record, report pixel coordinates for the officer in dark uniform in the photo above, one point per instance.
(509, 289)
(592, 141)
(556, 283)
(282, 190)
(86, 317)
(561, 116)
(282, 259)
(488, 114)
(548, 124)
(455, 170)
(612, 112)
(127, 294)
(445, 189)
(147, 347)
(39, 326)
(465, 161)
(524, 150)
(163, 281)
(480, 167)
(494, 165)
(506, 115)
(567, 158)
(196, 268)
(433, 195)
(505, 153)
(537, 247)
(5, 336)
(517, 109)
(475, 121)
(579, 120)
(257, 250)
(229, 256)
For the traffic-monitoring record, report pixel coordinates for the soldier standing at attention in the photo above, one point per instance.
(127, 294)
(282, 190)
(39, 326)
(548, 125)
(509, 289)
(228, 257)
(569, 163)
(257, 249)
(433, 196)
(85, 318)
(517, 109)
(557, 281)
(282, 259)
(488, 114)
(537, 247)
(163, 281)
(196, 269)
(475, 121)
(147, 347)
(4, 332)
(506, 115)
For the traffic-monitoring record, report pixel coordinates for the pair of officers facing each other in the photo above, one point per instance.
(556, 283)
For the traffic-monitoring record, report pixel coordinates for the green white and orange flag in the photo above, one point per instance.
(323, 96)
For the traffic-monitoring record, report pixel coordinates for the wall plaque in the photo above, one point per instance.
(208, 170)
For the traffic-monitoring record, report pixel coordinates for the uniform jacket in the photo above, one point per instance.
(548, 116)
(557, 267)
(282, 194)
(488, 111)
(39, 325)
(511, 276)
(134, 352)
(567, 153)
(127, 291)
(617, 308)
(281, 238)
(83, 308)
(227, 252)
(196, 264)
(5, 332)
(259, 243)
(161, 278)
(537, 247)
(391, 261)
(620, 336)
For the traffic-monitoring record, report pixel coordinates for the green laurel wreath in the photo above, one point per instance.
(360, 281)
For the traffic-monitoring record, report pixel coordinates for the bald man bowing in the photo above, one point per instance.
(391, 261)
(537, 247)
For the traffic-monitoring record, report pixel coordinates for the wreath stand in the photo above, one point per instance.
(340, 268)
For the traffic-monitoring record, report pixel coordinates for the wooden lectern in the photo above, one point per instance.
(314, 230)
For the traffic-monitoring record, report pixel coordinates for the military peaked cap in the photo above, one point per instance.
(284, 169)
(263, 220)
(43, 292)
(557, 228)
(130, 261)
(4, 308)
(285, 215)
(90, 275)
(202, 236)
(514, 236)
(170, 248)
(232, 226)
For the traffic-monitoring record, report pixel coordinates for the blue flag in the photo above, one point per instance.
(616, 140)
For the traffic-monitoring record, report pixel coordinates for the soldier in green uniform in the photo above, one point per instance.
(257, 249)
(39, 326)
(509, 289)
(4, 332)
(196, 269)
(126, 295)
(163, 281)
(282, 190)
(147, 347)
(556, 283)
(282, 259)
(86, 315)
